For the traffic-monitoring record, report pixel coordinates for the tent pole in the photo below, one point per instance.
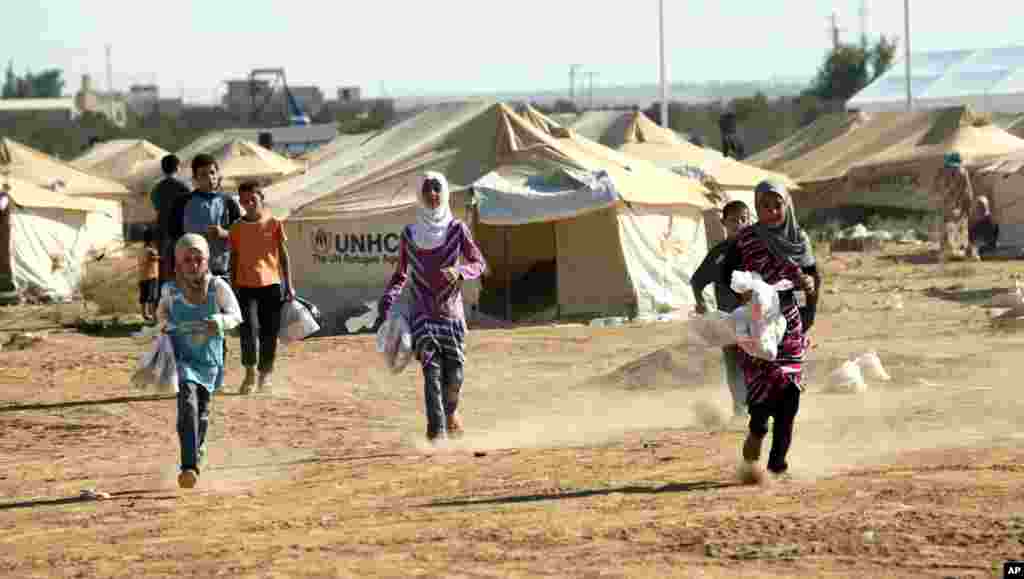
(558, 297)
(508, 278)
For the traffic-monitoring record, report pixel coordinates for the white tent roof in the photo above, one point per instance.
(989, 80)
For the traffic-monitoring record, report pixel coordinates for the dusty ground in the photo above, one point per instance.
(593, 453)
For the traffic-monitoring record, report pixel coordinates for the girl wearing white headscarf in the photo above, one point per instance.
(195, 310)
(439, 252)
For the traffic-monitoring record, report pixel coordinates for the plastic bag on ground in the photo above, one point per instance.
(847, 378)
(871, 366)
(760, 325)
(394, 340)
(157, 369)
(297, 321)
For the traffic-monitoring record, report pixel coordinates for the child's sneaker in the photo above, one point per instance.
(752, 448)
(188, 478)
(201, 455)
(249, 382)
(266, 381)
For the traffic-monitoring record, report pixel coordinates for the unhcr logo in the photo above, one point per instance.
(321, 242)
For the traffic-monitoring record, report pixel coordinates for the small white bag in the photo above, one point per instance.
(848, 378)
(871, 365)
(760, 325)
(157, 368)
(297, 322)
(394, 340)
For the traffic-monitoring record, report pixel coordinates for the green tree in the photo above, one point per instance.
(882, 55)
(47, 84)
(10, 89)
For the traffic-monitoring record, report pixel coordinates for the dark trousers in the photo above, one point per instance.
(782, 409)
(260, 306)
(442, 378)
(193, 421)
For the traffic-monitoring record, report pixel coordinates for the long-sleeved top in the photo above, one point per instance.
(164, 196)
(984, 234)
(199, 356)
(434, 297)
(711, 271)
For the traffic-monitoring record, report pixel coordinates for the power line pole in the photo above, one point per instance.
(661, 54)
(906, 48)
(590, 98)
(572, 82)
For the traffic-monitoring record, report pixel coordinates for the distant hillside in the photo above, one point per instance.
(642, 95)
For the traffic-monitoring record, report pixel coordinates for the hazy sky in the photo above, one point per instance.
(407, 47)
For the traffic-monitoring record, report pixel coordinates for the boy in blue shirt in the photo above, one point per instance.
(207, 212)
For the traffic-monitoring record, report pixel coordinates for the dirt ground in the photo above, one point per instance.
(592, 452)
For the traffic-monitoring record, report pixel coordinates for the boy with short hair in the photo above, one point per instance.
(207, 212)
(735, 216)
(261, 276)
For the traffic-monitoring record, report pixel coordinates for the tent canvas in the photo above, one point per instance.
(30, 165)
(49, 237)
(882, 159)
(988, 80)
(130, 162)
(1003, 182)
(344, 215)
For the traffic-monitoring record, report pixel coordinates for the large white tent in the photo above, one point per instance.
(988, 80)
(48, 238)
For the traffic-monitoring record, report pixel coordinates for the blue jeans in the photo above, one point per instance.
(193, 421)
(733, 375)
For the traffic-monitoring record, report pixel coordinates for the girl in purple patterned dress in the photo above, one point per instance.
(776, 248)
(430, 250)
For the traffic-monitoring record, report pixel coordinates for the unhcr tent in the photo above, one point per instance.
(336, 146)
(31, 166)
(46, 239)
(241, 160)
(987, 80)
(135, 164)
(1003, 182)
(641, 138)
(345, 215)
(881, 159)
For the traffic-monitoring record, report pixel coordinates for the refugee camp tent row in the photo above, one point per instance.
(345, 214)
(886, 159)
(128, 162)
(48, 238)
(639, 137)
(105, 225)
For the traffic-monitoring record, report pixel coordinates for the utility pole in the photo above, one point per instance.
(864, 23)
(661, 53)
(906, 48)
(572, 82)
(834, 29)
(590, 99)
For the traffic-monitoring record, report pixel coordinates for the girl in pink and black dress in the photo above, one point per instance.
(430, 251)
(776, 248)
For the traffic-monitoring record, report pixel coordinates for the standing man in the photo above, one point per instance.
(953, 188)
(164, 196)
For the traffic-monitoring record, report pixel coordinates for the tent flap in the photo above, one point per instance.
(503, 202)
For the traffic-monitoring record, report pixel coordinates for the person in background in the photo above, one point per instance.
(735, 216)
(195, 310)
(953, 188)
(207, 212)
(149, 274)
(984, 231)
(164, 197)
(260, 265)
(430, 252)
(776, 249)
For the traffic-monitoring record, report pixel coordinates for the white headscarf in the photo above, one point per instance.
(431, 224)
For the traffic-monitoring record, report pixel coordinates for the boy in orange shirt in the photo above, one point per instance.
(149, 272)
(260, 266)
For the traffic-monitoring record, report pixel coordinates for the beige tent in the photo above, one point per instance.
(346, 213)
(641, 138)
(47, 238)
(1003, 182)
(135, 163)
(241, 160)
(881, 159)
(336, 146)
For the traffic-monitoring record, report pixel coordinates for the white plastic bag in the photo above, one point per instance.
(871, 366)
(394, 340)
(297, 322)
(157, 368)
(760, 325)
(847, 378)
